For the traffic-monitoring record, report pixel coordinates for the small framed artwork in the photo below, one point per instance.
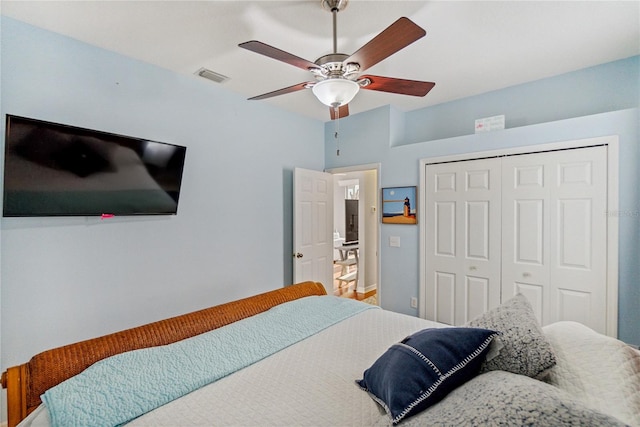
(399, 205)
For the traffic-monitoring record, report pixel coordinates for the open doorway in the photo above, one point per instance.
(356, 231)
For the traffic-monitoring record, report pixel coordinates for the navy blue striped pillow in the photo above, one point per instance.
(423, 368)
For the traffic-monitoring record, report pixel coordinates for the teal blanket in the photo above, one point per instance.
(118, 389)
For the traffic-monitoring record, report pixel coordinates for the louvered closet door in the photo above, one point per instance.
(554, 233)
(463, 240)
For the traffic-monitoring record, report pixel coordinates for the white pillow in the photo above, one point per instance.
(601, 371)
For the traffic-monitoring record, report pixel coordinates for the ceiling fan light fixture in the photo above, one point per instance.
(335, 92)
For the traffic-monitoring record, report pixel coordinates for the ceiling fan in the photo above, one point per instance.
(337, 75)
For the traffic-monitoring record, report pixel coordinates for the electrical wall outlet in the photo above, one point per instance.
(414, 302)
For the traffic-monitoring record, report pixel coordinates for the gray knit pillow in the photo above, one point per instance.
(501, 398)
(525, 349)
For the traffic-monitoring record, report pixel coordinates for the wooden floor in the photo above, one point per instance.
(347, 290)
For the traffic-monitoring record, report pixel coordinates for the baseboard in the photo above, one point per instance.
(4, 424)
(367, 289)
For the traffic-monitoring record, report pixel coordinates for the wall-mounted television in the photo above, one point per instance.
(53, 169)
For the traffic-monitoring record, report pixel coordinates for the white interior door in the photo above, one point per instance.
(463, 240)
(555, 234)
(313, 227)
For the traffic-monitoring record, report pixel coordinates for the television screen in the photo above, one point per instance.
(59, 170)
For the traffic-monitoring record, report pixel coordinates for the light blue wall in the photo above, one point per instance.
(539, 116)
(66, 279)
(607, 87)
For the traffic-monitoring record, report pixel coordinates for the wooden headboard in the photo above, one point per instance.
(25, 383)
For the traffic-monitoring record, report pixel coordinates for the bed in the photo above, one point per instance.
(296, 356)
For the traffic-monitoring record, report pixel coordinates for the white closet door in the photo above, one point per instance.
(554, 233)
(463, 240)
(526, 229)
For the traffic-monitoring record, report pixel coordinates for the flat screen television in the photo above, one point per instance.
(60, 170)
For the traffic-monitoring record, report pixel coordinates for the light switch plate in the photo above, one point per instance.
(394, 241)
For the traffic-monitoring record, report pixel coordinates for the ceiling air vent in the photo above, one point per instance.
(211, 75)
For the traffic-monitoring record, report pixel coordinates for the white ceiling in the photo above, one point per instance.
(470, 47)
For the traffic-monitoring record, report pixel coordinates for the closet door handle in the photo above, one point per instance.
(526, 274)
(473, 268)
(298, 255)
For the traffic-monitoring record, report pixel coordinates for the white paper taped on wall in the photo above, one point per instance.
(490, 123)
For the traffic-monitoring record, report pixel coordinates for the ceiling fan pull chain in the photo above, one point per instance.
(337, 127)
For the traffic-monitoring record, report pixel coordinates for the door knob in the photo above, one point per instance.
(298, 255)
(526, 274)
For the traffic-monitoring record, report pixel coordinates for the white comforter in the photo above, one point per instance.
(600, 371)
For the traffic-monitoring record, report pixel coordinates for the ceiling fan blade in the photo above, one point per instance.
(280, 55)
(343, 112)
(401, 86)
(396, 36)
(282, 91)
